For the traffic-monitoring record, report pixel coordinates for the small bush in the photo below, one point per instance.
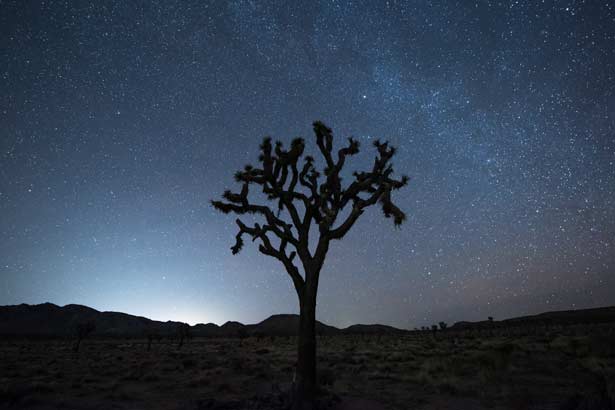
(326, 376)
(151, 378)
(189, 363)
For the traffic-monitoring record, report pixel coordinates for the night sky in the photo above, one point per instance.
(121, 120)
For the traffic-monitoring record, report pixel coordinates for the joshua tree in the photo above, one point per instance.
(242, 334)
(183, 333)
(82, 330)
(151, 337)
(308, 198)
(259, 336)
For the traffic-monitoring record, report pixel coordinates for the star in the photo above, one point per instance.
(501, 115)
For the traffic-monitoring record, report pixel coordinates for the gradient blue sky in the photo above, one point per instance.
(121, 120)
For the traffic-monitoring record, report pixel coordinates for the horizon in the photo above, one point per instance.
(121, 122)
(418, 326)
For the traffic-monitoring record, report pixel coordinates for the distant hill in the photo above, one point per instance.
(563, 317)
(49, 320)
(372, 329)
(287, 325)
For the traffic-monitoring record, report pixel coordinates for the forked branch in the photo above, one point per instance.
(291, 181)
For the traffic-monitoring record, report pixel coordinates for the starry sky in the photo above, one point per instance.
(121, 120)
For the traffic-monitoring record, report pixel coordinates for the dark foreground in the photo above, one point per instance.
(567, 369)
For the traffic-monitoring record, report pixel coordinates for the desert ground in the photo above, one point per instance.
(567, 368)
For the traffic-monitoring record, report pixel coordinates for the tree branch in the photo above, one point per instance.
(266, 248)
(283, 180)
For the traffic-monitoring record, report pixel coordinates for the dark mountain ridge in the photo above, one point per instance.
(49, 320)
(561, 317)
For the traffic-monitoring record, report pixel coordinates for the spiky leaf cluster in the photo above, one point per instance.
(309, 197)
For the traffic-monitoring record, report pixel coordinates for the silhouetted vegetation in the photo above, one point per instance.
(303, 197)
(183, 334)
(82, 330)
(152, 337)
(242, 334)
(509, 368)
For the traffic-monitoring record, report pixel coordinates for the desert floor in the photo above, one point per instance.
(547, 371)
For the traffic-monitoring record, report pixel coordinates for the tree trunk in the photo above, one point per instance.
(76, 347)
(305, 382)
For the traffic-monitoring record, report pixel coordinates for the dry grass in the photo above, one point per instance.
(555, 371)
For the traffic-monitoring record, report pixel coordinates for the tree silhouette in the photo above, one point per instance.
(182, 331)
(308, 199)
(242, 334)
(83, 330)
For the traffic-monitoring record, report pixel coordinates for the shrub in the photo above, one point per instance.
(189, 363)
(326, 376)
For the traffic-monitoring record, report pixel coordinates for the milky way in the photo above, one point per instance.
(121, 120)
